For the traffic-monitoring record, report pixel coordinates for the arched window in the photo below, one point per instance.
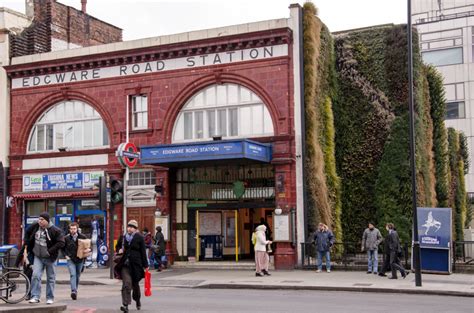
(226, 110)
(71, 125)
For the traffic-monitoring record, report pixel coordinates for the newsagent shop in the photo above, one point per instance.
(215, 115)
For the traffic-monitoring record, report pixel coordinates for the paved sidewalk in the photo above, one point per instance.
(455, 284)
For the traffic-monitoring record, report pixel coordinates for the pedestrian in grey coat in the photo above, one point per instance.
(370, 243)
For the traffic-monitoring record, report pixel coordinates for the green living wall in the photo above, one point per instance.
(357, 132)
(322, 181)
(372, 130)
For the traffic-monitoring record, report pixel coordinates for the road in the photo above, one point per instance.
(173, 300)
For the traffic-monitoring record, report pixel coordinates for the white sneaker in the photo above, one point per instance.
(49, 301)
(34, 300)
(329, 271)
(318, 271)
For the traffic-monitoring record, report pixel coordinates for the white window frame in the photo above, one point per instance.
(143, 112)
(208, 105)
(51, 118)
(142, 178)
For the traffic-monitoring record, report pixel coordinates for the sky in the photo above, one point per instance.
(149, 18)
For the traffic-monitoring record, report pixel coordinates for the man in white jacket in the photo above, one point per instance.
(261, 256)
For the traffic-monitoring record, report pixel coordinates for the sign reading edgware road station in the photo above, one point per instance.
(226, 57)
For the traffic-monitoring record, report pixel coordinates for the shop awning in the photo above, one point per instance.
(56, 194)
(221, 150)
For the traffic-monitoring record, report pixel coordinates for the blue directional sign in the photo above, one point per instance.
(221, 150)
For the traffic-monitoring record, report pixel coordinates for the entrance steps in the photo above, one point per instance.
(218, 265)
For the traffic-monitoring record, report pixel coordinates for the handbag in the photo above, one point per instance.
(118, 259)
(147, 283)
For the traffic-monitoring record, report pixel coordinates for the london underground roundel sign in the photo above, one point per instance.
(128, 154)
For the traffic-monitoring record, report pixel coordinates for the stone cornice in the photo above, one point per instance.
(153, 53)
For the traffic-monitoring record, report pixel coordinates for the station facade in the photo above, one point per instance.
(216, 115)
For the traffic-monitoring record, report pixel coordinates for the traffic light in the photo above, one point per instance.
(102, 193)
(116, 190)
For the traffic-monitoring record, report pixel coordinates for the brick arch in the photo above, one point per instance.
(221, 78)
(54, 99)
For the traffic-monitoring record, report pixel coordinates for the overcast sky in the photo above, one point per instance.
(148, 18)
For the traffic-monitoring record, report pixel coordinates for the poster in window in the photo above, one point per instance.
(281, 228)
(229, 230)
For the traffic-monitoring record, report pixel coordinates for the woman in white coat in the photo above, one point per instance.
(261, 256)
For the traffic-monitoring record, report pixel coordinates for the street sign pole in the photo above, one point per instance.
(416, 242)
(111, 239)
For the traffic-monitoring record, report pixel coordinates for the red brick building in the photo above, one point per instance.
(215, 113)
(56, 26)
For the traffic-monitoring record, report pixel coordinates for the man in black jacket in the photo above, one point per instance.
(44, 241)
(132, 265)
(395, 250)
(74, 263)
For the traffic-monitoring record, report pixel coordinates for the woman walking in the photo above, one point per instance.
(133, 263)
(261, 256)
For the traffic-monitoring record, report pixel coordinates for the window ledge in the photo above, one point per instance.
(141, 131)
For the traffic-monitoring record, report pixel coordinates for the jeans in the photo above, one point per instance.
(372, 256)
(38, 267)
(74, 272)
(319, 256)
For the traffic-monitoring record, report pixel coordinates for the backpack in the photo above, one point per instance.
(254, 238)
(148, 240)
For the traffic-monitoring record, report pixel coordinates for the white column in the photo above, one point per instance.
(293, 22)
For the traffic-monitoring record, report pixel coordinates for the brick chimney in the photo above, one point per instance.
(84, 4)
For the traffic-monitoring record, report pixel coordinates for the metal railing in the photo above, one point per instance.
(463, 254)
(346, 256)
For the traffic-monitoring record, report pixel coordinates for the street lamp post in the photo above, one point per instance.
(416, 243)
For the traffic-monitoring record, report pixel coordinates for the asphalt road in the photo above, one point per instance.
(173, 300)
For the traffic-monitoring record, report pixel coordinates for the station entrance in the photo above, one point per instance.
(218, 207)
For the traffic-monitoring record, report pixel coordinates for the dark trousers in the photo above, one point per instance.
(129, 287)
(395, 264)
(386, 264)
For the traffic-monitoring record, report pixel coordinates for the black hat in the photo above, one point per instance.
(45, 215)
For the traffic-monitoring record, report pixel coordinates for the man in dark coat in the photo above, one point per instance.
(74, 263)
(159, 247)
(44, 241)
(395, 250)
(133, 264)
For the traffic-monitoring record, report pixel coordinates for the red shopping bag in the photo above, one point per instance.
(147, 283)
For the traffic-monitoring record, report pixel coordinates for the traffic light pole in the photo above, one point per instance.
(111, 239)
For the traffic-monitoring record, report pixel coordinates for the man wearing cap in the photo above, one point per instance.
(133, 263)
(44, 240)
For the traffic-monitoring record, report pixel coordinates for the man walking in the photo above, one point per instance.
(370, 243)
(395, 249)
(44, 240)
(74, 263)
(324, 239)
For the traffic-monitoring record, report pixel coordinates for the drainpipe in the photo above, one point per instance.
(303, 122)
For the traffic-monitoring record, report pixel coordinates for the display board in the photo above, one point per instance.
(163, 221)
(210, 223)
(281, 228)
(435, 235)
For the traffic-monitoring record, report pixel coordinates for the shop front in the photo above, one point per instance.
(67, 197)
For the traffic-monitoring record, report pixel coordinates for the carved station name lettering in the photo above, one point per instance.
(152, 67)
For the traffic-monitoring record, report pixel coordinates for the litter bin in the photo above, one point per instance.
(8, 255)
